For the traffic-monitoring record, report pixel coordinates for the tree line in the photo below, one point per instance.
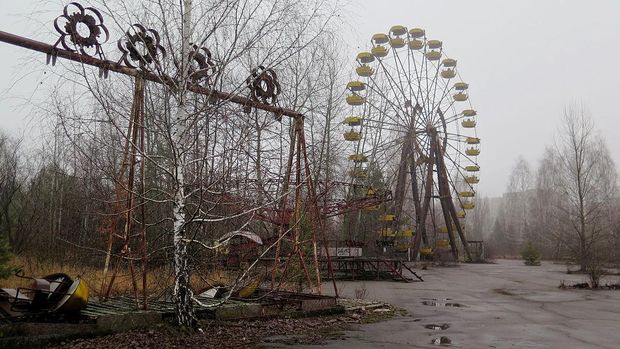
(568, 205)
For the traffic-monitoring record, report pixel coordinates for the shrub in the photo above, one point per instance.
(530, 254)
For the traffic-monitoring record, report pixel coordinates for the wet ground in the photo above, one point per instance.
(503, 305)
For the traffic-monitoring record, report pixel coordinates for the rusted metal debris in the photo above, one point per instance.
(54, 293)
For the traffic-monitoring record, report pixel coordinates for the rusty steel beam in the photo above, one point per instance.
(53, 52)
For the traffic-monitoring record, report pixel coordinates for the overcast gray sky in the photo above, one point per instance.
(524, 60)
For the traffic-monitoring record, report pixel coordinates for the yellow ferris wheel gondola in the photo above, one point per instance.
(379, 51)
(472, 168)
(358, 158)
(468, 123)
(352, 120)
(355, 100)
(364, 71)
(365, 57)
(352, 136)
(356, 86)
(472, 151)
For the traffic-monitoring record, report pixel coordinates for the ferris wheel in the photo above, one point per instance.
(412, 129)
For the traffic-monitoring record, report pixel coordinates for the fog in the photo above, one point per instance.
(524, 60)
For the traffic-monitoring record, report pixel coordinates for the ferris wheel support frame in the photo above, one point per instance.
(447, 204)
(428, 193)
(399, 192)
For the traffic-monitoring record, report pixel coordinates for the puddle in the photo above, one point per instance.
(442, 304)
(443, 340)
(503, 291)
(436, 327)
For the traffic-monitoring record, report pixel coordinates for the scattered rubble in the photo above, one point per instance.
(443, 340)
(247, 333)
(585, 285)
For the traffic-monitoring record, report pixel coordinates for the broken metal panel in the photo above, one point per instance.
(54, 293)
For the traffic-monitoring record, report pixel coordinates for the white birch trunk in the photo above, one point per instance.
(182, 293)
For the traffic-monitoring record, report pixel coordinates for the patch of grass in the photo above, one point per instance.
(374, 317)
(157, 278)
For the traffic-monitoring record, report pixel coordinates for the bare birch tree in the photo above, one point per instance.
(519, 185)
(587, 185)
(544, 230)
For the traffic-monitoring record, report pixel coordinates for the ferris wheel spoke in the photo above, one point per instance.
(379, 145)
(445, 93)
(456, 137)
(425, 63)
(455, 117)
(391, 153)
(464, 155)
(397, 108)
(399, 73)
(448, 107)
(393, 84)
(418, 76)
(392, 128)
(426, 143)
(397, 120)
(378, 122)
(454, 186)
(412, 95)
(389, 144)
(434, 110)
(434, 85)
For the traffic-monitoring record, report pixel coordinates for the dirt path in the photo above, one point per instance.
(503, 305)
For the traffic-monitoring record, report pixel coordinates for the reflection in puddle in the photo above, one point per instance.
(442, 304)
(436, 327)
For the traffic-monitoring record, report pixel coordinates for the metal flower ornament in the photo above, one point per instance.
(201, 66)
(81, 29)
(141, 49)
(264, 86)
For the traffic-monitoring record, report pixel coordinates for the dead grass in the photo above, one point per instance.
(158, 280)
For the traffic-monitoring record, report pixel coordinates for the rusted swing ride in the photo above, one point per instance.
(82, 34)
